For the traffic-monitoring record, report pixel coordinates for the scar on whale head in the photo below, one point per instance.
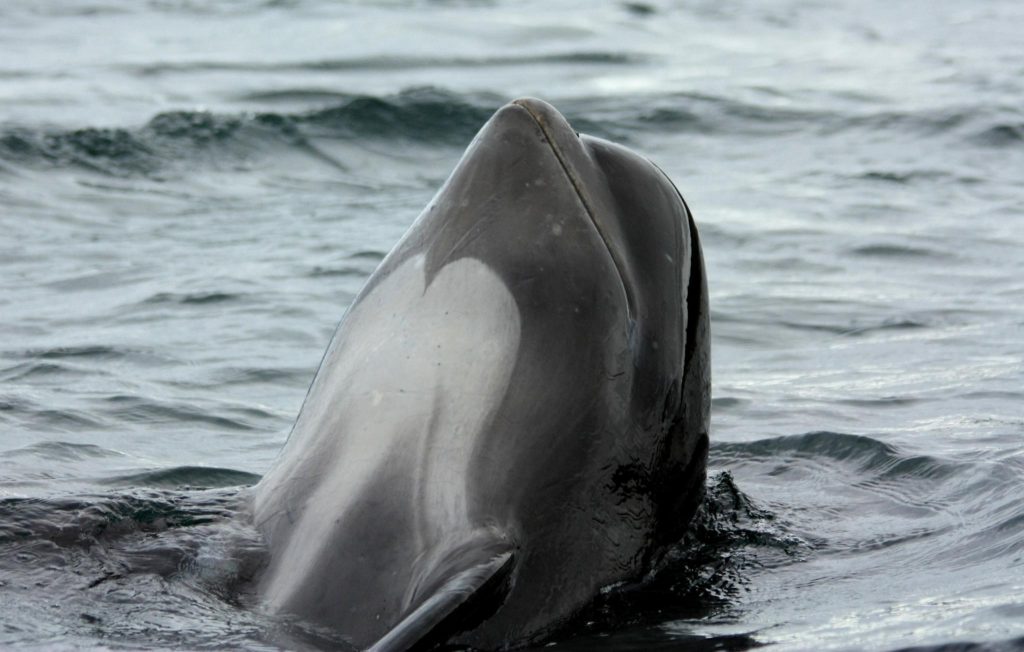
(513, 413)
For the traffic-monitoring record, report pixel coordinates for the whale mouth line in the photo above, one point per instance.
(577, 185)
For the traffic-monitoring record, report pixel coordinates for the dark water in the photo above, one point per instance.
(192, 192)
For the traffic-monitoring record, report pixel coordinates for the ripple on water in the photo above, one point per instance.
(44, 371)
(185, 477)
(321, 271)
(63, 451)
(33, 416)
(137, 569)
(899, 252)
(78, 520)
(94, 351)
(193, 298)
(88, 353)
(725, 403)
(1001, 135)
(883, 497)
(859, 452)
(143, 409)
(277, 375)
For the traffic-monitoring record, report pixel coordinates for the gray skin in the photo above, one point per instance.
(516, 405)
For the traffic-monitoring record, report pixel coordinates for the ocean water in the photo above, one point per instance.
(191, 193)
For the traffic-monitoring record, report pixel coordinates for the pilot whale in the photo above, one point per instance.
(513, 413)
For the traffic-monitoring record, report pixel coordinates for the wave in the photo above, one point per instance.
(193, 298)
(34, 416)
(150, 411)
(423, 114)
(382, 63)
(27, 370)
(718, 115)
(1001, 135)
(184, 555)
(897, 251)
(62, 451)
(865, 454)
(839, 325)
(186, 477)
(1008, 645)
(436, 116)
(420, 114)
(96, 352)
(81, 520)
(56, 359)
(909, 177)
(966, 505)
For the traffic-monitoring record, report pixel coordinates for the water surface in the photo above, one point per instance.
(193, 192)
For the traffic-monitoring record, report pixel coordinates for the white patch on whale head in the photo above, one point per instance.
(411, 378)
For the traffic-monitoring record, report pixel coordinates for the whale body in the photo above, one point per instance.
(513, 413)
